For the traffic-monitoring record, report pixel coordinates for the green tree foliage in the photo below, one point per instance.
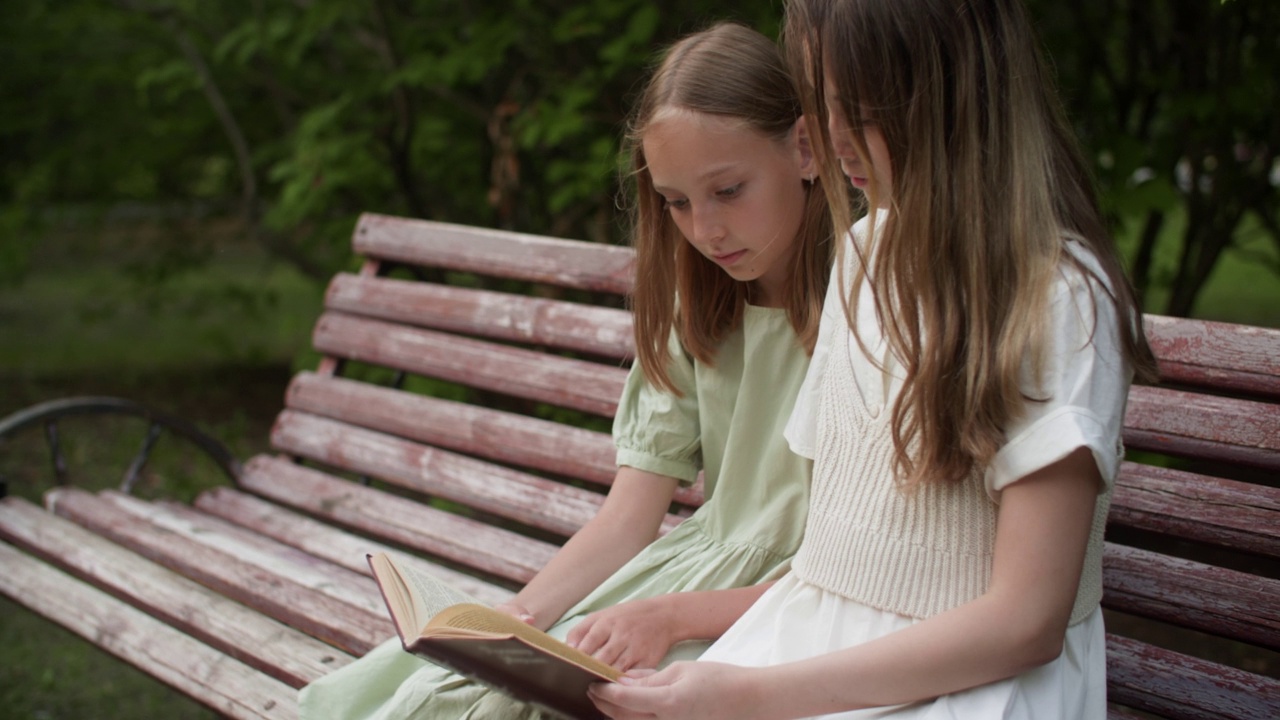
(297, 115)
(1178, 98)
(300, 114)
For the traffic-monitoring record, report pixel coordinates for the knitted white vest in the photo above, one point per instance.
(916, 555)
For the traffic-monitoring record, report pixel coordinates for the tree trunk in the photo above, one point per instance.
(1141, 270)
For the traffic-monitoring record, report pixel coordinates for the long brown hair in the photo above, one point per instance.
(989, 180)
(731, 71)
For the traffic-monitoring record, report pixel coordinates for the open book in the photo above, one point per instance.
(446, 626)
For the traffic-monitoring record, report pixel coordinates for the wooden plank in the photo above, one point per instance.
(525, 498)
(1195, 449)
(496, 253)
(279, 559)
(471, 429)
(1202, 426)
(528, 374)
(214, 679)
(503, 316)
(1219, 380)
(1219, 601)
(1181, 687)
(250, 637)
(1194, 415)
(1217, 511)
(325, 541)
(318, 615)
(489, 550)
(1218, 355)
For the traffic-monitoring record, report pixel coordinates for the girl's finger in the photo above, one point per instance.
(604, 706)
(592, 640)
(609, 654)
(612, 709)
(624, 659)
(579, 631)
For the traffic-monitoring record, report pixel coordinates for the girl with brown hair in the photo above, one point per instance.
(733, 247)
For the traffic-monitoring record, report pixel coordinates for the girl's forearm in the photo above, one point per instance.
(578, 568)
(707, 614)
(627, 522)
(973, 645)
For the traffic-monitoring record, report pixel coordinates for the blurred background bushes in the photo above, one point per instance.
(293, 116)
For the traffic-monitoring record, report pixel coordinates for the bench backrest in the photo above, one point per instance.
(469, 376)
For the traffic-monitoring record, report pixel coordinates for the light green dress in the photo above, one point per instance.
(728, 424)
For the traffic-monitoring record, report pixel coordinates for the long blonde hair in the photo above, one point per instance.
(731, 71)
(989, 180)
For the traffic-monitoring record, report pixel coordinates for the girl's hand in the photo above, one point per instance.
(683, 691)
(634, 634)
(516, 611)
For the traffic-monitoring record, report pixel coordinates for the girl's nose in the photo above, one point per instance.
(707, 227)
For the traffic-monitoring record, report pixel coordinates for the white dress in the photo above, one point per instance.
(798, 619)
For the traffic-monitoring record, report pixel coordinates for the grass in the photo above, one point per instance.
(97, 319)
(212, 337)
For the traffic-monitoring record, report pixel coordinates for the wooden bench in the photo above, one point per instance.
(256, 589)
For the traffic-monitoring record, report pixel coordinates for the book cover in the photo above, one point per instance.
(441, 624)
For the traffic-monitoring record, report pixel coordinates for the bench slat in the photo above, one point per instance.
(1200, 449)
(250, 637)
(323, 617)
(504, 437)
(528, 374)
(1215, 600)
(557, 324)
(1215, 354)
(327, 542)
(525, 498)
(1216, 419)
(1219, 380)
(1181, 687)
(487, 549)
(1201, 426)
(279, 559)
(220, 682)
(478, 431)
(496, 253)
(1181, 504)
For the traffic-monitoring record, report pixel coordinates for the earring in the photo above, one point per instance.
(810, 177)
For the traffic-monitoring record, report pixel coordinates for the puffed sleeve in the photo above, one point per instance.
(1085, 383)
(656, 431)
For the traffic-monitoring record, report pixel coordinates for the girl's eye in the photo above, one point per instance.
(730, 191)
(670, 204)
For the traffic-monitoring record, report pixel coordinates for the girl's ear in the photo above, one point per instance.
(804, 148)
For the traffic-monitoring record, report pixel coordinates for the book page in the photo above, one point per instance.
(412, 595)
(430, 594)
(478, 618)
